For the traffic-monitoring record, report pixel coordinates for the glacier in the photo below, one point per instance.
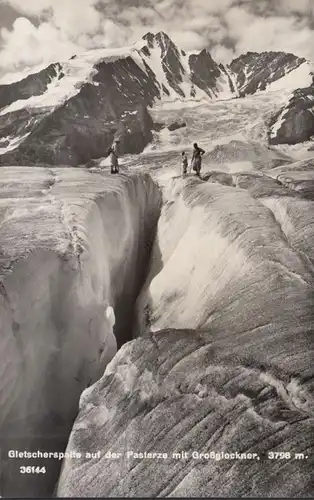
(150, 313)
(222, 356)
(74, 250)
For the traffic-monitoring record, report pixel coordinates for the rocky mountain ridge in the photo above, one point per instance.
(69, 113)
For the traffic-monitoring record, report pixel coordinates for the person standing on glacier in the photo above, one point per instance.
(114, 155)
(196, 163)
(184, 163)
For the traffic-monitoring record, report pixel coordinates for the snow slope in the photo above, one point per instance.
(255, 71)
(298, 78)
(76, 73)
(74, 248)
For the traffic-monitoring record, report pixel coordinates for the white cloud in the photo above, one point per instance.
(274, 33)
(27, 45)
(71, 26)
(222, 54)
(67, 29)
(73, 19)
(188, 40)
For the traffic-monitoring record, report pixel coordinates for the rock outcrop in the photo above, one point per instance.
(33, 85)
(210, 76)
(255, 71)
(85, 125)
(176, 126)
(295, 122)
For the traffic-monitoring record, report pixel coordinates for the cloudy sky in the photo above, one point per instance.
(33, 32)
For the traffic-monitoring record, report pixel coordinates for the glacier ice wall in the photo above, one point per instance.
(177, 391)
(226, 264)
(224, 361)
(74, 252)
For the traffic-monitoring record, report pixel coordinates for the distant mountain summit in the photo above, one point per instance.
(182, 75)
(70, 112)
(255, 71)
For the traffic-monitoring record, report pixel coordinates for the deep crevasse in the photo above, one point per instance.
(74, 253)
(225, 360)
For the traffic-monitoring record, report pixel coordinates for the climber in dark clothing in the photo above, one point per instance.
(113, 154)
(184, 163)
(197, 159)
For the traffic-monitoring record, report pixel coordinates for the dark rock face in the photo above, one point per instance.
(295, 123)
(205, 72)
(254, 71)
(176, 126)
(170, 58)
(85, 126)
(171, 63)
(32, 85)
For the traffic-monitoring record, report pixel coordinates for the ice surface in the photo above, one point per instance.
(230, 365)
(224, 356)
(232, 235)
(187, 391)
(73, 251)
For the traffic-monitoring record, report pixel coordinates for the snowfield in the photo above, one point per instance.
(298, 78)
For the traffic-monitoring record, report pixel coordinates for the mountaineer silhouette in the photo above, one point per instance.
(196, 163)
(184, 163)
(113, 152)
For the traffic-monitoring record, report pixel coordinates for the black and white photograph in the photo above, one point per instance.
(156, 249)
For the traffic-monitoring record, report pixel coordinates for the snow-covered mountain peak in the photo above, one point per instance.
(97, 91)
(160, 37)
(256, 71)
